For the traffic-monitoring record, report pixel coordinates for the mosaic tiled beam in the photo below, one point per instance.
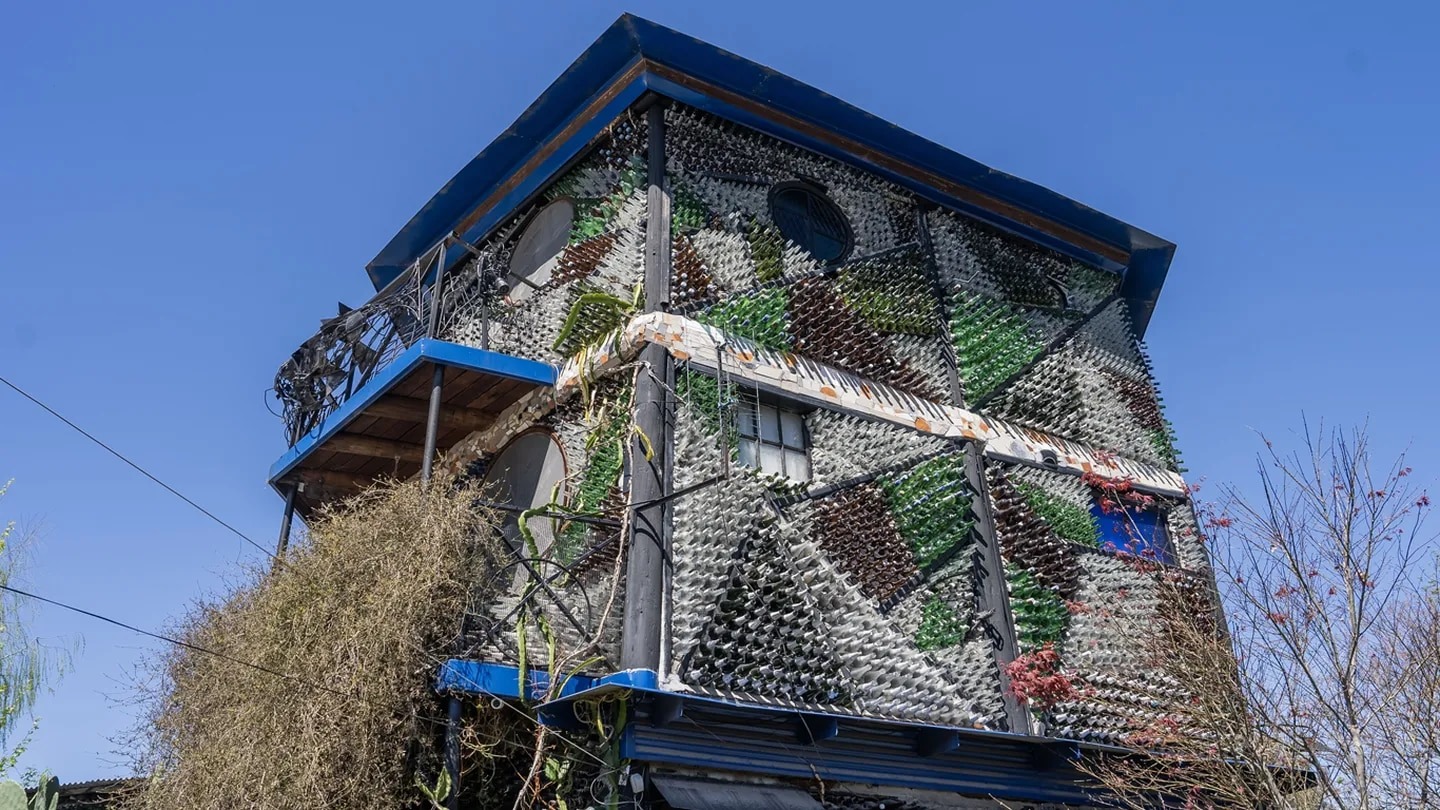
(742, 361)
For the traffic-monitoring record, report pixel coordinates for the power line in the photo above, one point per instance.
(112, 451)
(260, 668)
(205, 650)
(189, 646)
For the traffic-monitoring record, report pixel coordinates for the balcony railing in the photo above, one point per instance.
(351, 348)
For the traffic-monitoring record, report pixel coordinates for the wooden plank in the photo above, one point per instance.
(413, 409)
(416, 384)
(393, 429)
(357, 445)
(495, 398)
(461, 387)
(329, 479)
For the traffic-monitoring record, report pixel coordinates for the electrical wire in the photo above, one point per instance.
(267, 670)
(112, 451)
(197, 648)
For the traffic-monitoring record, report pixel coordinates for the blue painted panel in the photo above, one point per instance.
(1134, 531)
(455, 355)
(502, 680)
(442, 352)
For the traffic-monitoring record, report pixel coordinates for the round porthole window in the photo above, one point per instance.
(811, 220)
(539, 249)
(525, 475)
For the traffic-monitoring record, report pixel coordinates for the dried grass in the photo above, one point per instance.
(367, 605)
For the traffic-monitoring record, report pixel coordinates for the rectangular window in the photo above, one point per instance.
(1141, 532)
(773, 439)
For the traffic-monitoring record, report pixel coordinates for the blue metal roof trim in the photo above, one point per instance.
(1024, 769)
(631, 38)
(587, 76)
(442, 352)
(712, 732)
(720, 108)
(562, 156)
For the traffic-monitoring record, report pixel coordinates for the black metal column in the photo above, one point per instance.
(437, 382)
(427, 466)
(991, 593)
(645, 570)
(285, 521)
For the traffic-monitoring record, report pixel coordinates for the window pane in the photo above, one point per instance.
(797, 465)
(772, 459)
(792, 429)
(747, 453)
(745, 416)
(769, 424)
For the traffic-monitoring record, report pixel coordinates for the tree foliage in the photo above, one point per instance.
(1320, 688)
(25, 664)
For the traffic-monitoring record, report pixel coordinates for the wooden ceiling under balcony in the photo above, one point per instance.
(379, 432)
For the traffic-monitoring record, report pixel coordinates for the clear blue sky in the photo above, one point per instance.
(185, 191)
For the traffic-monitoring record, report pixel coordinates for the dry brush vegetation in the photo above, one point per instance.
(355, 622)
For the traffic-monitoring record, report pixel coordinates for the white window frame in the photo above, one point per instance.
(772, 438)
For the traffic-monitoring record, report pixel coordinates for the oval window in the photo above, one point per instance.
(539, 249)
(811, 220)
(524, 475)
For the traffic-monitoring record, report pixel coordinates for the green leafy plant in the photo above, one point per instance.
(45, 797)
(593, 316)
(605, 446)
(25, 665)
(439, 793)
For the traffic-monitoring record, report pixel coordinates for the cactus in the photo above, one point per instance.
(12, 796)
(47, 795)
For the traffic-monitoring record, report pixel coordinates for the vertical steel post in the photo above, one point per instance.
(452, 753)
(991, 595)
(640, 640)
(432, 429)
(437, 382)
(285, 521)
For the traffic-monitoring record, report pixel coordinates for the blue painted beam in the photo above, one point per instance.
(451, 355)
(460, 676)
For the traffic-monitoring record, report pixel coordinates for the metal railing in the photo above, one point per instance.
(351, 348)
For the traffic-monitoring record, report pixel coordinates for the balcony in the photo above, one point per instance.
(356, 395)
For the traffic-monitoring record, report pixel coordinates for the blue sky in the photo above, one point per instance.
(186, 190)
